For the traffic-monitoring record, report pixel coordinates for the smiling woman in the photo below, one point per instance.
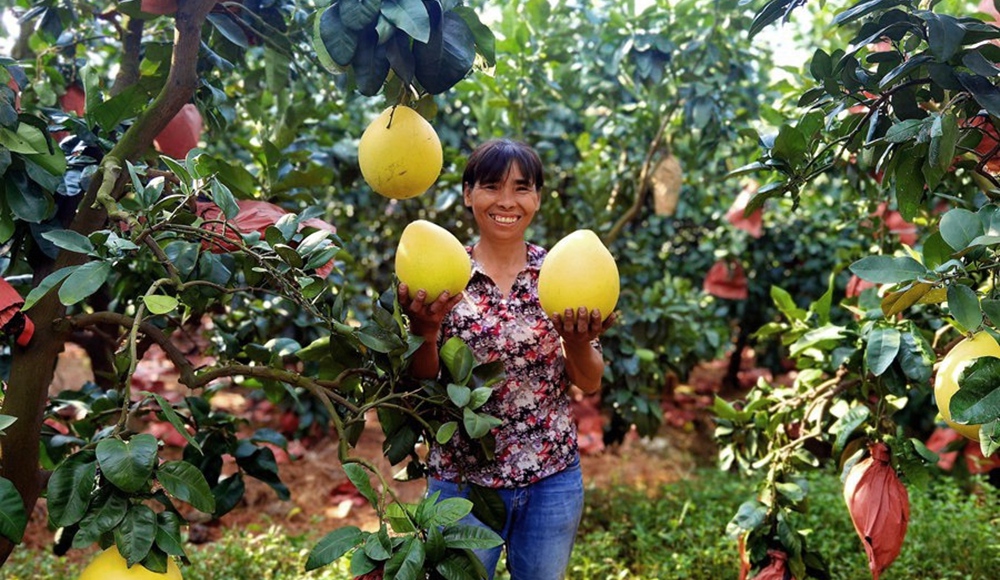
(535, 468)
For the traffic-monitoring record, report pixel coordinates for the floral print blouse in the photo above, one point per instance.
(538, 436)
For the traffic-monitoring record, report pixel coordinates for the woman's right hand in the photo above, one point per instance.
(425, 318)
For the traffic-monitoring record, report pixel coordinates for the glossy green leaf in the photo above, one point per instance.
(228, 28)
(185, 482)
(984, 91)
(944, 138)
(916, 356)
(358, 14)
(449, 511)
(70, 240)
(944, 35)
(359, 477)
(69, 489)
(174, 419)
(477, 425)
(888, 269)
(13, 517)
(136, 534)
(339, 41)
(332, 546)
(168, 533)
(408, 562)
(101, 519)
(959, 227)
(470, 537)
(410, 16)
(445, 432)
(159, 304)
(963, 303)
(883, 346)
(447, 56)
(846, 425)
(84, 281)
(484, 37)
(128, 464)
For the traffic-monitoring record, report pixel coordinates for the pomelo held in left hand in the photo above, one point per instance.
(579, 271)
(110, 565)
(430, 258)
(400, 154)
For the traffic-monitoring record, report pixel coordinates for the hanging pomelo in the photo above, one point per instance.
(579, 271)
(400, 154)
(430, 258)
(952, 366)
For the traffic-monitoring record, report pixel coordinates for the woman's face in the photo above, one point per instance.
(503, 210)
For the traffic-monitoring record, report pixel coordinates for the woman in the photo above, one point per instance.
(536, 468)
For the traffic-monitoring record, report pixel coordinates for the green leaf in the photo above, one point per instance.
(895, 302)
(70, 240)
(449, 511)
(185, 482)
(410, 16)
(159, 304)
(228, 28)
(944, 35)
(991, 307)
(751, 515)
(888, 269)
(13, 517)
(790, 145)
(339, 41)
(477, 425)
(69, 489)
(936, 251)
(944, 138)
(168, 533)
(378, 546)
(101, 519)
(846, 425)
(989, 438)
(445, 432)
(786, 304)
(479, 397)
(959, 227)
(910, 185)
(136, 534)
(459, 394)
(333, 546)
(471, 537)
(408, 562)
(84, 281)
(448, 55)
(916, 356)
(224, 199)
(977, 400)
(359, 477)
(485, 40)
(358, 14)
(883, 346)
(174, 419)
(458, 359)
(904, 131)
(984, 91)
(128, 464)
(6, 421)
(964, 306)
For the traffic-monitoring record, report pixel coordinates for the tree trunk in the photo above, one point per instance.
(32, 368)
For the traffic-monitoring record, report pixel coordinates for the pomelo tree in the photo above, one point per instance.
(896, 114)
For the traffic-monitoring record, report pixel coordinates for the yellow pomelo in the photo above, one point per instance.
(110, 565)
(400, 153)
(430, 258)
(578, 271)
(946, 382)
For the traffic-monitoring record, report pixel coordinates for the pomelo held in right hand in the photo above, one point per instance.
(400, 154)
(579, 271)
(430, 258)
(110, 565)
(952, 365)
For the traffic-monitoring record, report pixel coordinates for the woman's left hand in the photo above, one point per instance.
(580, 326)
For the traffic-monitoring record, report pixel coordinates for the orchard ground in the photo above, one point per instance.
(322, 498)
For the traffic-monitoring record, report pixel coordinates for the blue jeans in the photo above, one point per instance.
(542, 519)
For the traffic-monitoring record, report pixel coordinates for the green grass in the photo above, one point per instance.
(677, 531)
(680, 532)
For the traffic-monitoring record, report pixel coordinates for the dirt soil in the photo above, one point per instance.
(322, 498)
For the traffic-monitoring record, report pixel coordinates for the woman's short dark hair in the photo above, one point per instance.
(491, 161)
